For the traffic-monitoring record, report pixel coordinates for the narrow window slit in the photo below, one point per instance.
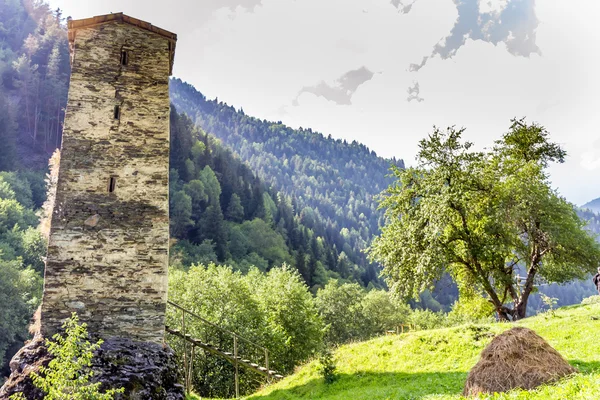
(124, 57)
(112, 184)
(117, 112)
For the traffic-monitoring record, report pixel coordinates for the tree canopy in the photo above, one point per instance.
(490, 218)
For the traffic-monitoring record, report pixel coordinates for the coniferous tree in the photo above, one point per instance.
(235, 210)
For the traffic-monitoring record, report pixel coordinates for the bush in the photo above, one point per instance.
(341, 308)
(427, 319)
(591, 300)
(67, 375)
(327, 367)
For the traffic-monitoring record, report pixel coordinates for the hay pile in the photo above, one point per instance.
(517, 358)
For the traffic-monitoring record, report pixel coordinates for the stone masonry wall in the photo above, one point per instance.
(108, 252)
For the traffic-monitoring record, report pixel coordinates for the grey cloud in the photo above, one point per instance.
(403, 6)
(416, 67)
(342, 90)
(413, 93)
(515, 25)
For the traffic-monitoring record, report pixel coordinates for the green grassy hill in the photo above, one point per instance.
(434, 364)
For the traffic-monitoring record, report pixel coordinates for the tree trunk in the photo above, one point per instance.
(521, 306)
(503, 314)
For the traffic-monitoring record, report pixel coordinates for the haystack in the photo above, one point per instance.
(517, 358)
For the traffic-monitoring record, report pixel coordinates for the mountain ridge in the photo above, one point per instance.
(334, 183)
(593, 205)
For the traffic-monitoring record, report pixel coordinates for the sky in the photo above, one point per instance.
(384, 72)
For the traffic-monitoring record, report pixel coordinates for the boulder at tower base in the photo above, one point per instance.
(147, 371)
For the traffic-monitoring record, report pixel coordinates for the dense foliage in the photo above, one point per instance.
(21, 267)
(34, 77)
(489, 218)
(332, 183)
(221, 212)
(274, 310)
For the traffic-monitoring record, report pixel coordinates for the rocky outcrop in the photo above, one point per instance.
(147, 371)
(27, 360)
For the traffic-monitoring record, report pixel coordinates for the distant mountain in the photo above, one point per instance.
(592, 218)
(333, 183)
(593, 205)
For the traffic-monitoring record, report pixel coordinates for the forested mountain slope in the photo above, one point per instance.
(334, 183)
(592, 218)
(221, 212)
(34, 77)
(593, 205)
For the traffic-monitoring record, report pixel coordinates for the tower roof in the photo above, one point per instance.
(73, 25)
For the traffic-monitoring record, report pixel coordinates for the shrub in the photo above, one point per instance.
(326, 367)
(67, 375)
(591, 300)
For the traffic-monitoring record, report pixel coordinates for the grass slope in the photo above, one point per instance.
(434, 364)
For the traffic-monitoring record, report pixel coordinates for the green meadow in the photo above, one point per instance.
(434, 364)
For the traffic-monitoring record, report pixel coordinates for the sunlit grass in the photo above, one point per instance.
(434, 364)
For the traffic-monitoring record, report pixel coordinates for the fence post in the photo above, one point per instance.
(267, 359)
(185, 367)
(191, 368)
(235, 357)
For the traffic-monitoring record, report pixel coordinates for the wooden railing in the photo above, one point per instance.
(188, 356)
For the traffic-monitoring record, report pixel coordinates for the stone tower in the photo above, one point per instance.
(109, 236)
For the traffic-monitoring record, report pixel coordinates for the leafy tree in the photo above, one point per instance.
(253, 260)
(20, 186)
(212, 226)
(186, 253)
(486, 217)
(264, 241)
(384, 312)
(33, 246)
(211, 185)
(341, 308)
(195, 189)
(224, 297)
(67, 375)
(293, 325)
